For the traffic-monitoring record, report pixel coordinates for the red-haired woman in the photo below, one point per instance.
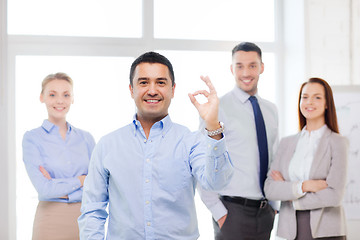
(308, 174)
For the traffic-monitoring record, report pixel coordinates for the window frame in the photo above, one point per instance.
(13, 45)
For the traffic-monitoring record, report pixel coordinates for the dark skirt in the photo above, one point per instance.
(304, 229)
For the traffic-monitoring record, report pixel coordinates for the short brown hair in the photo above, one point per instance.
(59, 76)
(330, 111)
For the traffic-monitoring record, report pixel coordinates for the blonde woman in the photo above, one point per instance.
(308, 174)
(56, 156)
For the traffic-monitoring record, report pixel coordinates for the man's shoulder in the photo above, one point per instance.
(120, 132)
(268, 103)
(179, 129)
(227, 96)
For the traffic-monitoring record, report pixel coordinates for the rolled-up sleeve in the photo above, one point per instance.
(95, 198)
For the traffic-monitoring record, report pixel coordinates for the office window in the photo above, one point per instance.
(232, 20)
(101, 66)
(94, 18)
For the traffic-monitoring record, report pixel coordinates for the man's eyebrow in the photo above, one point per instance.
(143, 78)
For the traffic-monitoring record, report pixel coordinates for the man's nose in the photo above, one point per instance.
(246, 72)
(152, 89)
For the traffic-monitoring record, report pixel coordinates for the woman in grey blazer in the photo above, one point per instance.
(308, 174)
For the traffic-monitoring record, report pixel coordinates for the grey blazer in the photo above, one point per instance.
(326, 213)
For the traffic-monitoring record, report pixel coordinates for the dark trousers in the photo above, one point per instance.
(304, 230)
(245, 223)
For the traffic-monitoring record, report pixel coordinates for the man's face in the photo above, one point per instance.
(246, 68)
(152, 91)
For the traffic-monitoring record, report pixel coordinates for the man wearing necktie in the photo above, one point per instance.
(241, 210)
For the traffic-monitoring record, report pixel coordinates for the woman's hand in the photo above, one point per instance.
(276, 175)
(45, 173)
(314, 185)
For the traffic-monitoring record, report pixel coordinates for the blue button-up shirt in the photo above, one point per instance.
(149, 184)
(63, 159)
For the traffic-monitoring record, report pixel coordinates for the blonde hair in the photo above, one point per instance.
(59, 76)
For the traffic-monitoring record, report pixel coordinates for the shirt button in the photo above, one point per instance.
(209, 146)
(148, 160)
(216, 170)
(147, 180)
(215, 148)
(147, 202)
(148, 223)
(145, 140)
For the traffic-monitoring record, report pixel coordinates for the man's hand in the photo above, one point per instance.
(221, 221)
(208, 111)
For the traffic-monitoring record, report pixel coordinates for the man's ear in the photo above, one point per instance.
(131, 91)
(173, 90)
(262, 68)
(41, 98)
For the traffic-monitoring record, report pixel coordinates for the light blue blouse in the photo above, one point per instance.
(63, 159)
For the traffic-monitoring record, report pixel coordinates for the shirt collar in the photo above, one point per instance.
(164, 124)
(49, 126)
(241, 95)
(316, 133)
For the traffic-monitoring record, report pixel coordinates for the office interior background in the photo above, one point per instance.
(96, 41)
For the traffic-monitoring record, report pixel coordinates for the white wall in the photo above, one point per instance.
(7, 216)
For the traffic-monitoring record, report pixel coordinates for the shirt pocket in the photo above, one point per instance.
(172, 174)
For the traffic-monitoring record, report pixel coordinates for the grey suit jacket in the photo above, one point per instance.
(326, 213)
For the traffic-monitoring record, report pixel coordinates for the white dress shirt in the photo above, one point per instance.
(300, 164)
(237, 114)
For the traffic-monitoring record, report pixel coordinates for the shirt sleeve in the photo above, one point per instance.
(210, 162)
(90, 142)
(53, 188)
(95, 198)
(212, 202)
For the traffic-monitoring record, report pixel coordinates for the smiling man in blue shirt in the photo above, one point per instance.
(146, 172)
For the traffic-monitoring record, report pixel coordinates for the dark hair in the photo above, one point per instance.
(152, 57)
(247, 47)
(330, 111)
